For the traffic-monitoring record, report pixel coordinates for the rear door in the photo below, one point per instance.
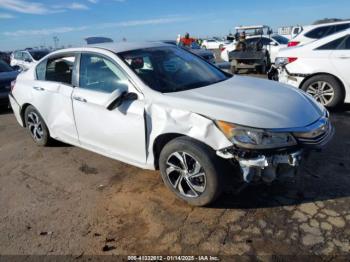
(118, 133)
(52, 92)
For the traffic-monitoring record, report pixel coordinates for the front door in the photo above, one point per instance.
(119, 133)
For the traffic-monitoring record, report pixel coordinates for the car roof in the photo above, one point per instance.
(128, 46)
(327, 24)
(317, 43)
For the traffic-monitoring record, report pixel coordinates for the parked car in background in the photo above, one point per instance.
(156, 106)
(4, 56)
(213, 43)
(312, 33)
(289, 31)
(206, 54)
(271, 43)
(7, 76)
(25, 58)
(320, 68)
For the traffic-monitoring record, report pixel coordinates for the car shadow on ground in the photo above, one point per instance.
(5, 111)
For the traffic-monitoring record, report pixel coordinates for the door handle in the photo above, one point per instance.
(80, 99)
(37, 88)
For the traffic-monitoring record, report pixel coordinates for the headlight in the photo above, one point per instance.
(255, 138)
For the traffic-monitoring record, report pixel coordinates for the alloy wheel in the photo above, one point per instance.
(35, 126)
(185, 174)
(322, 91)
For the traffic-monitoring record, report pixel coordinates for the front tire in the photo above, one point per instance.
(326, 90)
(189, 169)
(36, 126)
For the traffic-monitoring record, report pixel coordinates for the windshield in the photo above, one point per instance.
(281, 39)
(171, 69)
(37, 55)
(4, 67)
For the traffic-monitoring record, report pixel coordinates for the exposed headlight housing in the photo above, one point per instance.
(282, 61)
(251, 138)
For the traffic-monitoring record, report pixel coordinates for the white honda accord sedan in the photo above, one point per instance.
(156, 106)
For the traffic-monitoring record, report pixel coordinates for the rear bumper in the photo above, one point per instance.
(288, 79)
(16, 108)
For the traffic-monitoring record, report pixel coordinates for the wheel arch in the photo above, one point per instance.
(326, 74)
(159, 144)
(164, 139)
(23, 110)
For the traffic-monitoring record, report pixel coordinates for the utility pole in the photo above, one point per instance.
(56, 41)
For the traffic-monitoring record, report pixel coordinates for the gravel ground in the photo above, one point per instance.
(65, 200)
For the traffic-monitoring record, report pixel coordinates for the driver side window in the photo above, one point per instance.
(100, 74)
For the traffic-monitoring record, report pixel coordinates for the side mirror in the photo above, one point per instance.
(118, 97)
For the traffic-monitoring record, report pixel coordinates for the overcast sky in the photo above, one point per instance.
(26, 23)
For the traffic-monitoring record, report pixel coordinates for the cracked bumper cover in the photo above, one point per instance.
(267, 168)
(273, 164)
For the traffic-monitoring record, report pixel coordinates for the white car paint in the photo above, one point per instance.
(212, 44)
(24, 59)
(311, 61)
(303, 37)
(129, 132)
(273, 47)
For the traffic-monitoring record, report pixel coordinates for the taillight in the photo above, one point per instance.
(222, 49)
(13, 83)
(291, 59)
(293, 43)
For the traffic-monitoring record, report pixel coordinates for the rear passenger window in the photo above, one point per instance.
(342, 27)
(59, 69)
(18, 55)
(333, 45)
(100, 74)
(320, 32)
(347, 43)
(41, 71)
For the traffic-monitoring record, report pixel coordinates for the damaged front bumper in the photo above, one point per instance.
(266, 167)
(274, 164)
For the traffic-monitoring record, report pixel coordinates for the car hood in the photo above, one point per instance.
(250, 102)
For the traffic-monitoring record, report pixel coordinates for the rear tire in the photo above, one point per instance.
(326, 90)
(190, 169)
(36, 126)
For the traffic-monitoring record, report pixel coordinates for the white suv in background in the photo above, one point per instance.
(311, 33)
(320, 68)
(25, 58)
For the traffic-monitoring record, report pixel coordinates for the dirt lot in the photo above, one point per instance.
(65, 200)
